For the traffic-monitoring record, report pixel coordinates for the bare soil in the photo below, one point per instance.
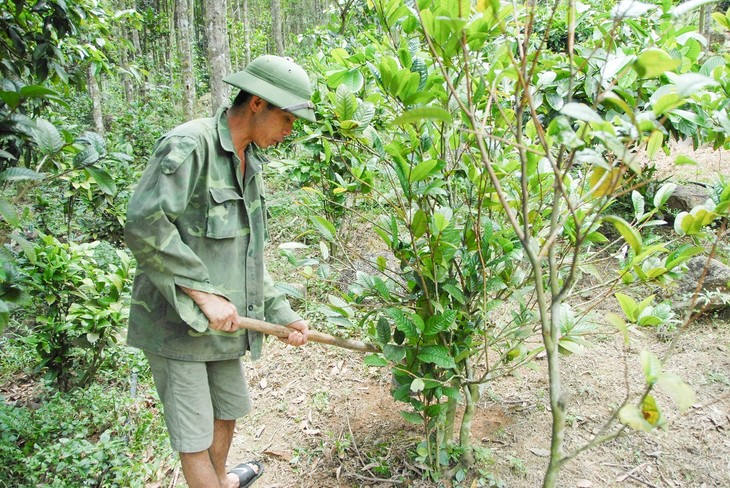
(324, 419)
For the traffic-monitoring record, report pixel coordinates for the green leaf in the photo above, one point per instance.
(423, 113)
(654, 62)
(654, 144)
(353, 79)
(417, 385)
(7, 212)
(375, 360)
(631, 415)
(412, 417)
(637, 199)
(690, 83)
(580, 111)
(324, 227)
(11, 98)
(20, 174)
(383, 330)
(27, 247)
(423, 170)
(403, 323)
(680, 392)
(419, 225)
(394, 353)
(440, 322)
(631, 235)
(620, 324)
(290, 290)
(438, 355)
(663, 194)
(47, 137)
(651, 366)
(684, 160)
(666, 103)
(4, 315)
(103, 179)
(651, 413)
(345, 103)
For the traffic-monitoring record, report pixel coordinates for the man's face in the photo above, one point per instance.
(271, 125)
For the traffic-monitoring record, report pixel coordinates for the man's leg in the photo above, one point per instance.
(199, 472)
(222, 439)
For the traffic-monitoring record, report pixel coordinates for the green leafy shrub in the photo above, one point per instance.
(82, 438)
(81, 308)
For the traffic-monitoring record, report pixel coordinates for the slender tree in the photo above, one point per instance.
(182, 22)
(218, 51)
(95, 95)
(277, 32)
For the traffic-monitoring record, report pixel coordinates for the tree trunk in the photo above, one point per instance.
(218, 52)
(95, 95)
(246, 32)
(182, 21)
(276, 26)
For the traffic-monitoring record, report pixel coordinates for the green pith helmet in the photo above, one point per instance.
(279, 81)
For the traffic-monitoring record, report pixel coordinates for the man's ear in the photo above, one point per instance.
(256, 103)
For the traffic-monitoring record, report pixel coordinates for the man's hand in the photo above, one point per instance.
(298, 336)
(222, 314)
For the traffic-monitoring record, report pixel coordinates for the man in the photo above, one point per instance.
(196, 225)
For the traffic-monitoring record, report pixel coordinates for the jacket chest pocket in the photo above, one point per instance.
(226, 216)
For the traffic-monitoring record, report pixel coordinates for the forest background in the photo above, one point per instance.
(474, 168)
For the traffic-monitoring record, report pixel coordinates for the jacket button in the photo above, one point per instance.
(250, 308)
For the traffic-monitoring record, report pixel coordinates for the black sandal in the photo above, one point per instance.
(246, 474)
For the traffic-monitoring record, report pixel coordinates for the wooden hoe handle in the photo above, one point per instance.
(313, 335)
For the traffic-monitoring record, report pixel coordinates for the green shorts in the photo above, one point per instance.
(195, 393)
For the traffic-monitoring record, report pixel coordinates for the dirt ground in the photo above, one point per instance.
(323, 419)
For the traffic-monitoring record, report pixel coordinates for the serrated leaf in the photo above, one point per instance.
(423, 113)
(620, 324)
(403, 323)
(440, 322)
(103, 180)
(47, 137)
(383, 330)
(345, 103)
(88, 155)
(438, 355)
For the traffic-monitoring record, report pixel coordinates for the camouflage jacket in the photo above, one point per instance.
(194, 222)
